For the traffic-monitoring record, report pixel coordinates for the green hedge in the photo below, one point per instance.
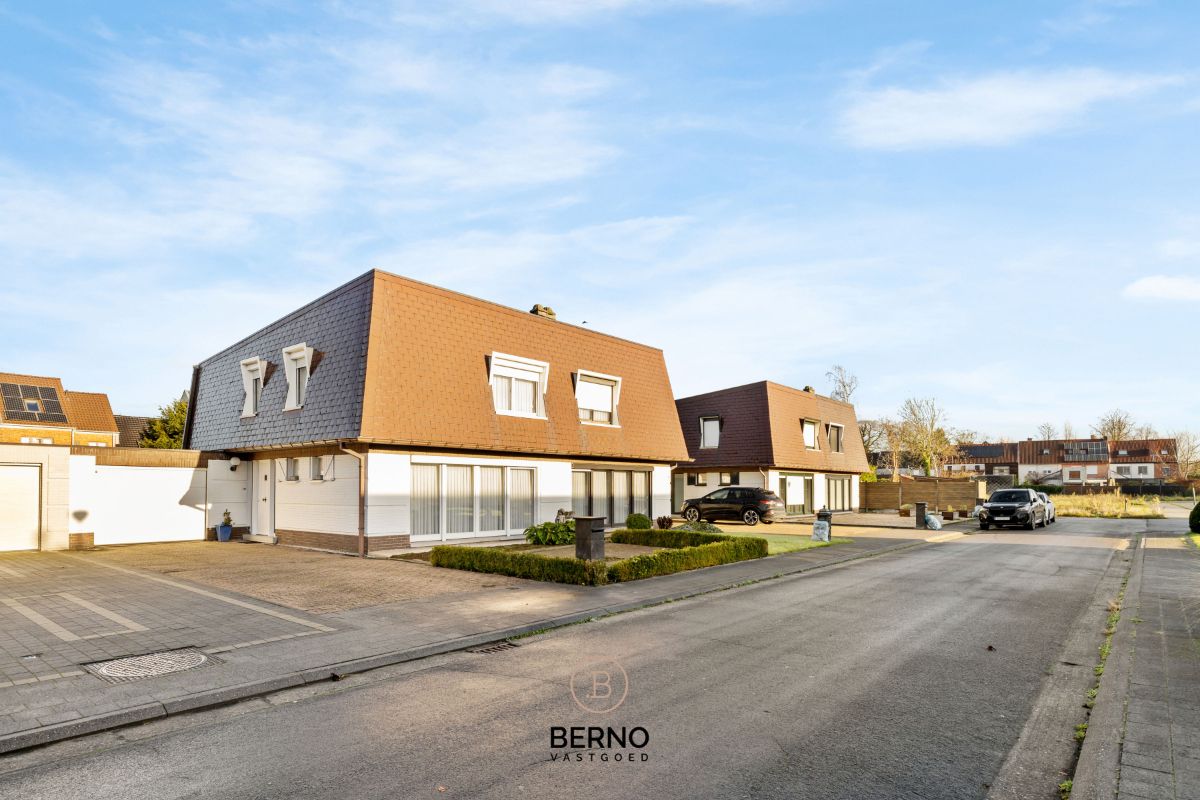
(675, 537)
(664, 562)
(520, 564)
(685, 550)
(1194, 519)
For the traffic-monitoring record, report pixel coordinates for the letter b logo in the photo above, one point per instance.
(600, 686)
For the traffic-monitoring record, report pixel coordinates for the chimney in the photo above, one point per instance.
(540, 310)
(810, 390)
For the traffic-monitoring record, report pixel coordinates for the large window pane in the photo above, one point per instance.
(425, 500)
(524, 394)
(521, 498)
(502, 392)
(460, 500)
(710, 432)
(641, 492)
(600, 495)
(579, 494)
(620, 497)
(491, 498)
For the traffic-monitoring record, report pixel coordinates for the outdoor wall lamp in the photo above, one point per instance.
(233, 463)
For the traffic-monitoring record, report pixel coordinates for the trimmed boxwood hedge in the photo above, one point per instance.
(520, 564)
(685, 550)
(1194, 519)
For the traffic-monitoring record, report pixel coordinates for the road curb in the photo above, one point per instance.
(1097, 771)
(213, 698)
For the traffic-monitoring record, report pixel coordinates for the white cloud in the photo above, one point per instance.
(988, 110)
(1164, 287)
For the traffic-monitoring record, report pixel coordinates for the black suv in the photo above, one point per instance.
(750, 504)
(1013, 507)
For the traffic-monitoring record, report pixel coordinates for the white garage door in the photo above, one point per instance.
(20, 500)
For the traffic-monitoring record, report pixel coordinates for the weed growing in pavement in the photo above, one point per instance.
(1080, 731)
(1064, 789)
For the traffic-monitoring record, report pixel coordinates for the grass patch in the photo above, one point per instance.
(1195, 537)
(778, 543)
(1108, 505)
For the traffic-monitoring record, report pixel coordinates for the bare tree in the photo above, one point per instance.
(1144, 431)
(1068, 430)
(1047, 431)
(1187, 453)
(894, 438)
(873, 435)
(844, 383)
(923, 432)
(1116, 424)
(962, 437)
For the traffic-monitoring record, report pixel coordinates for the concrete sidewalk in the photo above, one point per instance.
(366, 638)
(1144, 737)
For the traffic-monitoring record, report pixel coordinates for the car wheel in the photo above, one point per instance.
(768, 522)
(691, 513)
(1032, 524)
(750, 516)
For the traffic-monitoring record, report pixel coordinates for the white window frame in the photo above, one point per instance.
(316, 468)
(1143, 469)
(253, 368)
(295, 357)
(583, 375)
(519, 368)
(713, 445)
(816, 428)
(291, 469)
(841, 448)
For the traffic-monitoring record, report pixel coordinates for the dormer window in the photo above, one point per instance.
(297, 364)
(597, 396)
(810, 433)
(254, 373)
(835, 437)
(710, 431)
(518, 385)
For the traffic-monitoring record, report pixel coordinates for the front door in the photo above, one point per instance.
(262, 498)
(797, 493)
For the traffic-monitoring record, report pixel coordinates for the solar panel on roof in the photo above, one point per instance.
(29, 391)
(20, 416)
(10, 390)
(52, 407)
(48, 392)
(52, 417)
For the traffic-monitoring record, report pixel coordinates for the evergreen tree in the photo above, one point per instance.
(166, 432)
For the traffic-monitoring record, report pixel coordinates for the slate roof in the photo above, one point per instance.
(761, 426)
(986, 453)
(404, 363)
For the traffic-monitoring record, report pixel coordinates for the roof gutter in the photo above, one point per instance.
(362, 496)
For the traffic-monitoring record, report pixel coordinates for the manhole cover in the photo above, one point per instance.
(150, 665)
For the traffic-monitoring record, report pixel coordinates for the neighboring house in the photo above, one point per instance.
(1095, 461)
(37, 410)
(802, 445)
(390, 412)
(984, 459)
(1143, 460)
(131, 429)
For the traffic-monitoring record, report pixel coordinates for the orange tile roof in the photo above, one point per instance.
(90, 411)
(427, 379)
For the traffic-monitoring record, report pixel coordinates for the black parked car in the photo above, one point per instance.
(750, 504)
(1013, 507)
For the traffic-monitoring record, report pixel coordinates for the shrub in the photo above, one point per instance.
(1194, 519)
(638, 522)
(520, 565)
(677, 537)
(551, 533)
(869, 477)
(1044, 488)
(664, 522)
(665, 562)
(699, 526)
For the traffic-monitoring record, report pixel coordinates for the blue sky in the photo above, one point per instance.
(992, 204)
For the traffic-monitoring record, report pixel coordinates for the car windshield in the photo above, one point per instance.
(1011, 496)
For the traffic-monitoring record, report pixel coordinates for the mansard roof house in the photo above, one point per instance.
(803, 445)
(391, 412)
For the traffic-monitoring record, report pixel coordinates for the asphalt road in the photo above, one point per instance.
(873, 680)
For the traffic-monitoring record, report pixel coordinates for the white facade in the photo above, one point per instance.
(774, 479)
(324, 502)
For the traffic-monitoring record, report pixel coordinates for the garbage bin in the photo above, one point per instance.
(822, 527)
(589, 538)
(919, 512)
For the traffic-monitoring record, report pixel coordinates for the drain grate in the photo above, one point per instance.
(150, 665)
(495, 647)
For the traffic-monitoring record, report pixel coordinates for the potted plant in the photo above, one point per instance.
(949, 514)
(225, 529)
(906, 510)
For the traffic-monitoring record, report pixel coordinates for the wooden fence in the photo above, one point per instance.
(960, 493)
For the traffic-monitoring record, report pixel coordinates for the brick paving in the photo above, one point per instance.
(1160, 751)
(263, 646)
